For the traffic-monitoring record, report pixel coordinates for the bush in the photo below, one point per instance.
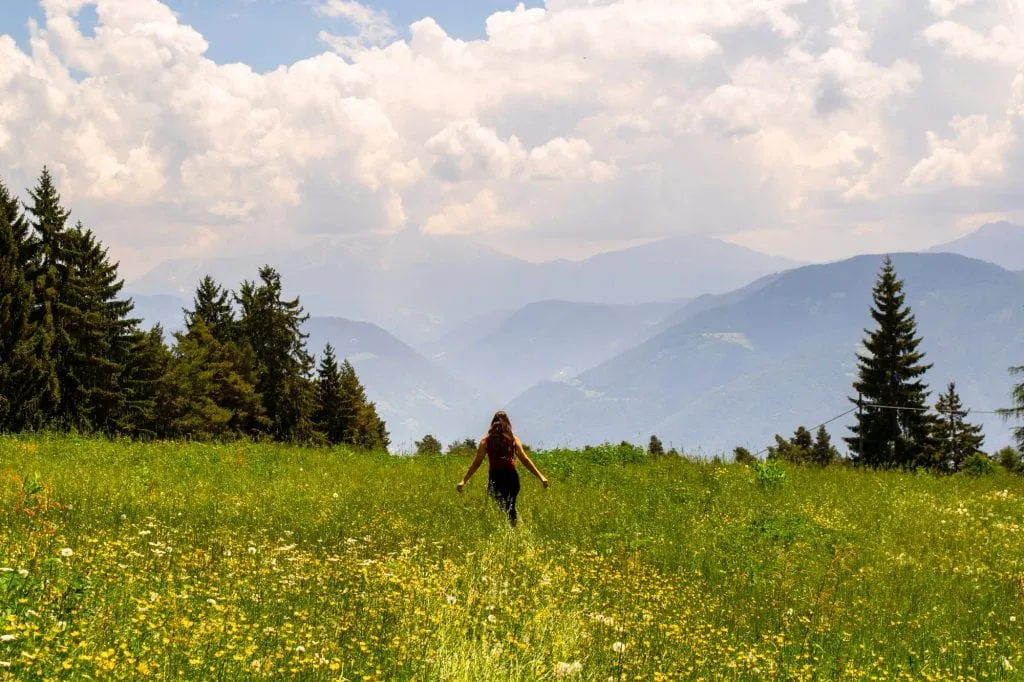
(978, 464)
(769, 474)
(1009, 458)
(655, 449)
(741, 455)
(465, 448)
(428, 446)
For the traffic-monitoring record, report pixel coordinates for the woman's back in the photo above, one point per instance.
(501, 452)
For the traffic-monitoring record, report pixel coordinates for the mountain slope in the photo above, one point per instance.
(413, 395)
(1001, 243)
(424, 286)
(551, 338)
(783, 355)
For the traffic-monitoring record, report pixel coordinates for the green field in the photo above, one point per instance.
(209, 562)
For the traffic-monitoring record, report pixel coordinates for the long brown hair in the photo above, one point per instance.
(501, 442)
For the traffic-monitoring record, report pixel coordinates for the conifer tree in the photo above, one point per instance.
(272, 327)
(1017, 410)
(330, 417)
(49, 347)
(148, 362)
(212, 305)
(15, 309)
(823, 452)
(890, 375)
(953, 439)
(365, 427)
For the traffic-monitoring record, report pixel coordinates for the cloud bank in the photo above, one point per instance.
(808, 129)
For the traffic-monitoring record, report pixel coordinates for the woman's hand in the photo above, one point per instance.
(460, 485)
(544, 481)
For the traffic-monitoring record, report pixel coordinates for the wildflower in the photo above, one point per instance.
(451, 599)
(252, 550)
(618, 647)
(23, 572)
(6, 569)
(1006, 664)
(8, 638)
(211, 601)
(566, 669)
(66, 552)
(300, 649)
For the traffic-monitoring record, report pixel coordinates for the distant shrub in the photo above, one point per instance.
(655, 448)
(465, 448)
(769, 474)
(1009, 458)
(673, 453)
(740, 455)
(623, 453)
(978, 464)
(428, 446)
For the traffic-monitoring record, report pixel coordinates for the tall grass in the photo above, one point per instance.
(211, 562)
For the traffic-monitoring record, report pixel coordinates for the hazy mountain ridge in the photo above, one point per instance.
(421, 287)
(784, 355)
(1001, 243)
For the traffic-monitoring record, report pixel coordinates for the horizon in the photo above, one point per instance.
(546, 133)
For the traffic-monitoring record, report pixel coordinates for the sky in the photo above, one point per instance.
(810, 129)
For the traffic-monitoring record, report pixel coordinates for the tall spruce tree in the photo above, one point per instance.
(953, 438)
(1016, 411)
(893, 427)
(47, 275)
(15, 310)
(365, 428)
(329, 416)
(96, 336)
(272, 327)
(212, 305)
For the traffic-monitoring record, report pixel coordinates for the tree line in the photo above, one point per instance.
(73, 359)
(895, 426)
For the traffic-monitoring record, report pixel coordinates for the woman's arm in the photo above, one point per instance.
(529, 465)
(480, 452)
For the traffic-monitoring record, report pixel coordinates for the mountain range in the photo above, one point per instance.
(708, 370)
(422, 287)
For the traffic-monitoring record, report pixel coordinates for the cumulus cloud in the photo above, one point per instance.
(808, 129)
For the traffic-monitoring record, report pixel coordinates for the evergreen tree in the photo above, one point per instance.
(46, 273)
(366, 429)
(330, 417)
(823, 452)
(953, 439)
(1017, 410)
(271, 326)
(890, 375)
(203, 395)
(655, 447)
(148, 362)
(15, 310)
(95, 336)
(211, 304)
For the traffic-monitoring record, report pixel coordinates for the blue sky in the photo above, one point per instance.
(267, 33)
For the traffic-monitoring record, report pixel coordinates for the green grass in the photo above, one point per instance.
(212, 562)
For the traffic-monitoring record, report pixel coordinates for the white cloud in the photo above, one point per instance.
(781, 122)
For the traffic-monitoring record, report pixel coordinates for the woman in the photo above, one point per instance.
(502, 447)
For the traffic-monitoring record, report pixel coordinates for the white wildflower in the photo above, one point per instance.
(451, 599)
(23, 572)
(66, 552)
(252, 550)
(300, 649)
(567, 669)
(8, 637)
(211, 601)
(1006, 664)
(618, 647)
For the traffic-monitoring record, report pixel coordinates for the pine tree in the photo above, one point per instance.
(95, 337)
(212, 305)
(890, 375)
(953, 439)
(1017, 410)
(655, 447)
(366, 429)
(272, 327)
(148, 362)
(46, 275)
(329, 417)
(823, 452)
(15, 310)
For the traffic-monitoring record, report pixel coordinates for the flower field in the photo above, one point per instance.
(225, 562)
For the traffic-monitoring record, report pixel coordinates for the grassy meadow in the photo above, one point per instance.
(217, 562)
